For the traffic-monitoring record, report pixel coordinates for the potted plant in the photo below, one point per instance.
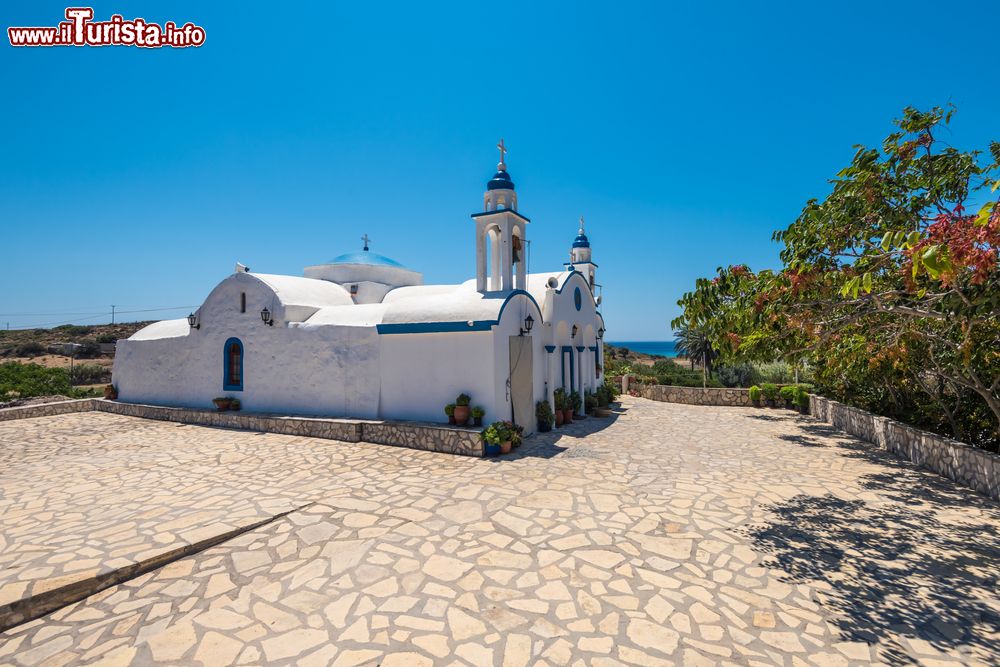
(450, 411)
(222, 403)
(462, 410)
(110, 393)
(788, 394)
(589, 403)
(491, 437)
(543, 412)
(770, 391)
(575, 403)
(559, 399)
(755, 396)
(515, 437)
(477, 415)
(234, 404)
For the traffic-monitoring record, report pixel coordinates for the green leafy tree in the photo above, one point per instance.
(890, 287)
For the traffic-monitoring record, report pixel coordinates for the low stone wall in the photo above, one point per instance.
(347, 430)
(423, 436)
(429, 437)
(724, 396)
(969, 466)
(48, 409)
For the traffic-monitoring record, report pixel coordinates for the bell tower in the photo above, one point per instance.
(501, 241)
(580, 257)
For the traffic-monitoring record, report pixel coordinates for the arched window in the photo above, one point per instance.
(232, 371)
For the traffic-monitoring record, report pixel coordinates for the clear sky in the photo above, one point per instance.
(685, 133)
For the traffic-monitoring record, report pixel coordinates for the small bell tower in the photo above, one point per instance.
(580, 257)
(501, 241)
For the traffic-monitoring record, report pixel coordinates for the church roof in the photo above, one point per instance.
(298, 291)
(365, 257)
(500, 181)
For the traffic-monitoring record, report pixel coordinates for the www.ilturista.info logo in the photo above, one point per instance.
(80, 30)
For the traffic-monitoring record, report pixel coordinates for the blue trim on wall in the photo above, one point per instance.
(593, 348)
(550, 348)
(455, 327)
(227, 383)
(434, 327)
(572, 368)
(580, 348)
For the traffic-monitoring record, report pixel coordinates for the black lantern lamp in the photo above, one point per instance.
(600, 333)
(529, 322)
(193, 321)
(573, 333)
(265, 316)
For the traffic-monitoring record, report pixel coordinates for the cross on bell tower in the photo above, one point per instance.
(502, 166)
(366, 241)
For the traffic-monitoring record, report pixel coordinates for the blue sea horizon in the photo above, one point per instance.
(663, 348)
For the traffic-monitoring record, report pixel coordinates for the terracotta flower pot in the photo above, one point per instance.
(559, 418)
(505, 447)
(462, 413)
(222, 404)
(568, 416)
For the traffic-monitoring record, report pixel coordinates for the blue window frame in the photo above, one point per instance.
(577, 298)
(232, 365)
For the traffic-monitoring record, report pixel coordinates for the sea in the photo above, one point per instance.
(664, 348)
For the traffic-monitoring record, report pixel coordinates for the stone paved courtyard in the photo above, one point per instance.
(671, 534)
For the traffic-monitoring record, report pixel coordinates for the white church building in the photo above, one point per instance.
(361, 336)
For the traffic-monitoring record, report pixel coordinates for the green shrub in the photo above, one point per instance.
(450, 409)
(90, 374)
(802, 399)
(775, 372)
(29, 380)
(463, 400)
(755, 394)
(787, 393)
(478, 412)
(575, 402)
(770, 390)
(739, 375)
(667, 372)
(29, 349)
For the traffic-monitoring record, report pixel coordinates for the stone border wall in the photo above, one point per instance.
(48, 409)
(967, 465)
(723, 396)
(429, 437)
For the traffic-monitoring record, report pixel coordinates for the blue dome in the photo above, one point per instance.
(365, 257)
(581, 241)
(500, 181)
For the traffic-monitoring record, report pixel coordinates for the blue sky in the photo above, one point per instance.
(685, 134)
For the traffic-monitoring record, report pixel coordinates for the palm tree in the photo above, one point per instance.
(694, 342)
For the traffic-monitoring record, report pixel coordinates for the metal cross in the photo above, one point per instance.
(503, 151)
(581, 224)
(366, 240)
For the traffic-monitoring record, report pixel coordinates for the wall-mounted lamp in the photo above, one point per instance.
(193, 321)
(529, 322)
(600, 333)
(265, 315)
(573, 333)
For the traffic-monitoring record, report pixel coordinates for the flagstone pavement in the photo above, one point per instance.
(670, 534)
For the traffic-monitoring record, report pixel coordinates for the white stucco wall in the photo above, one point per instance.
(330, 370)
(423, 372)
